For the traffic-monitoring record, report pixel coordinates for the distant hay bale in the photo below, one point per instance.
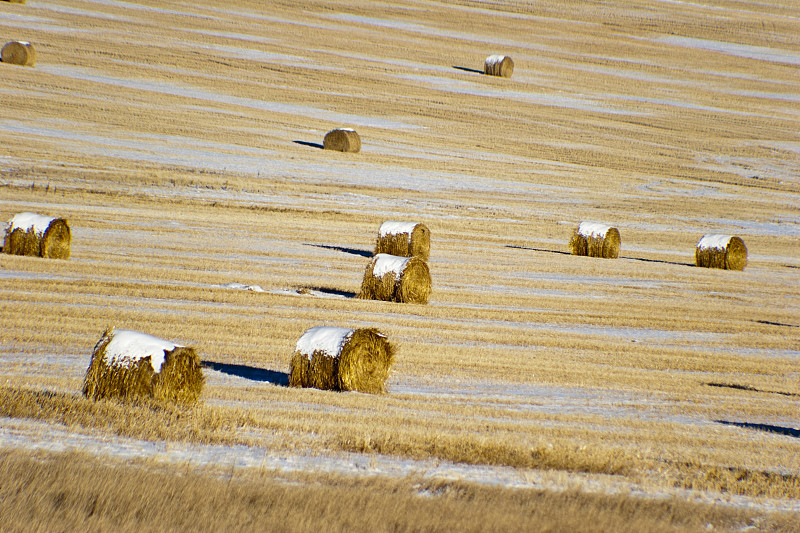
(342, 359)
(19, 53)
(404, 239)
(595, 240)
(342, 140)
(127, 364)
(38, 236)
(721, 251)
(15, 1)
(396, 279)
(498, 65)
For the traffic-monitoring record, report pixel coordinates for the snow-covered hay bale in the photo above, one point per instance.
(721, 251)
(342, 140)
(19, 53)
(128, 364)
(498, 65)
(405, 239)
(396, 279)
(38, 236)
(595, 240)
(342, 359)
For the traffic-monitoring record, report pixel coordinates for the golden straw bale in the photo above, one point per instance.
(15, 1)
(404, 239)
(595, 240)
(396, 279)
(128, 364)
(342, 140)
(19, 53)
(498, 65)
(38, 236)
(721, 251)
(342, 359)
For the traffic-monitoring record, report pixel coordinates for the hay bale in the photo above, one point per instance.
(38, 236)
(405, 239)
(127, 364)
(342, 359)
(15, 1)
(721, 251)
(595, 240)
(498, 65)
(396, 279)
(342, 140)
(19, 53)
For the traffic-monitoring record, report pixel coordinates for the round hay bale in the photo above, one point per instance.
(342, 140)
(19, 53)
(404, 239)
(595, 240)
(498, 65)
(396, 279)
(128, 364)
(38, 236)
(15, 1)
(721, 251)
(342, 359)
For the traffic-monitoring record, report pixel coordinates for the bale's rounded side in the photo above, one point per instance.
(181, 378)
(57, 240)
(19, 53)
(342, 140)
(365, 362)
(736, 254)
(503, 67)
(415, 284)
(404, 245)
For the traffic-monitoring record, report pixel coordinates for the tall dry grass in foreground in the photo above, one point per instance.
(79, 492)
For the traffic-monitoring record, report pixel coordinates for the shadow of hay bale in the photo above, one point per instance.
(249, 372)
(342, 359)
(310, 144)
(35, 235)
(781, 430)
(391, 278)
(342, 140)
(721, 251)
(498, 65)
(20, 53)
(127, 364)
(467, 69)
(352, 251)
(595, 240)
(404, 239)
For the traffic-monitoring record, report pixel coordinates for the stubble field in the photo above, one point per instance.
(536, 391)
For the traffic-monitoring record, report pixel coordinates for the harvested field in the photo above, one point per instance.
(639, 394)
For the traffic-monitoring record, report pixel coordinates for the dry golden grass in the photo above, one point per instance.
(74, 491)
(182, 175)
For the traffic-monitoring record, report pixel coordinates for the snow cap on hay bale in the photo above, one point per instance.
(19, 53)
(721, 251)
(342, 359)
(498, 65)
(38, 236)
(396, 279)
(127, 364)
(595, 240)
(405, 239)
(342, 140)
